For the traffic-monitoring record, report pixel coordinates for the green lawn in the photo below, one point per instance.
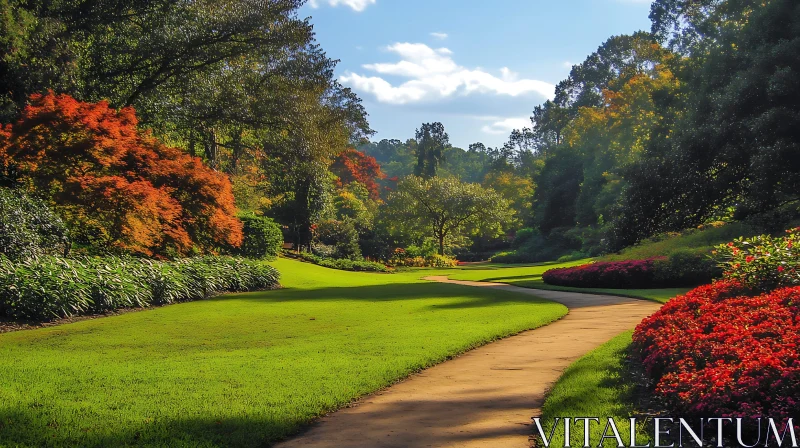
(530, 276)
(245, 369)
(594, 386)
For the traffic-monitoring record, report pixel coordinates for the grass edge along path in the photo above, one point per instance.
(243, 369)
(487, 396)
(530, 276)
(596, 385)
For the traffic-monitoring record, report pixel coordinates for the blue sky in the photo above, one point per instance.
(477, 66)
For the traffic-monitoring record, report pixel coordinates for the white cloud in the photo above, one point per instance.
(441, 36)
(506, 125)
(357, 5)
(567, 64)
(433, 74)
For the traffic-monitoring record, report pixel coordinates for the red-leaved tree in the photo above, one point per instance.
(355, 166)
(115, 184)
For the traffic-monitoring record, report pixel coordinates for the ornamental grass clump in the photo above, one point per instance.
(51, 287)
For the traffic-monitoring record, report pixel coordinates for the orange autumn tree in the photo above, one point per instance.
(354, 166)
(116, 185)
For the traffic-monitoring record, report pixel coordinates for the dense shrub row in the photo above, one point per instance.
(723, 351)
(614, 274)
(341, 264)
(408, 259)
(679, 269)
(50, 287)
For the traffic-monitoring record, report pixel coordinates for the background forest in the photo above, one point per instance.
(169, 129)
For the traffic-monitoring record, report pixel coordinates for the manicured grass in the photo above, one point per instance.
(594, 386)
(530, 276)
(244, 369)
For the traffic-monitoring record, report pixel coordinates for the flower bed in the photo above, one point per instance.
(722, 350)
(681, 268)
(612, 274)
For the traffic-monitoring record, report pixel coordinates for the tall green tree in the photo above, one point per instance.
(432, 141)
(734, 148)
(216, 77)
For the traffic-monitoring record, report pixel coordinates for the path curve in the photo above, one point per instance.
(487, 396)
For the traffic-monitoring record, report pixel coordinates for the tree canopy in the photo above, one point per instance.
(117, 186)
(444, 207)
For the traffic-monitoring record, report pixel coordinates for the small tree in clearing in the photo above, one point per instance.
(445, 207)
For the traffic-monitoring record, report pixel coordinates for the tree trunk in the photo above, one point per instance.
(211, 150)
(441, 245)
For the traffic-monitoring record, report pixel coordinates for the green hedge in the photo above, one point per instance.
(341, 264)
(51, 287)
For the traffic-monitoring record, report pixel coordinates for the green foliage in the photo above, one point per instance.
(686, 267)
(50, 287)
(426, 249)
(514, 257)
(532, 246)
(262, 237)
(395, 157)
(440, 261)
(558, 187)
(231, 71)
(523, 236)
(340, 236)
(432, 141)
(28, 227)
(762, 262)
(446, 209)
(729, 143)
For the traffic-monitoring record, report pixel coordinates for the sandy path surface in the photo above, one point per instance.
(486, 397)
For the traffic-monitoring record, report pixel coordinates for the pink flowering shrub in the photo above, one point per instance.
(613, 274)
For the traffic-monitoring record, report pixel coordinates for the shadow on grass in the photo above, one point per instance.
(531, 277)
(32, 427)
(616, 377)
(431, 418)
(472, 297)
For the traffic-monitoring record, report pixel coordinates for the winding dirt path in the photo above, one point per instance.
(486, 397)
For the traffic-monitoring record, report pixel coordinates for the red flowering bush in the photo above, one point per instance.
(721, 350)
